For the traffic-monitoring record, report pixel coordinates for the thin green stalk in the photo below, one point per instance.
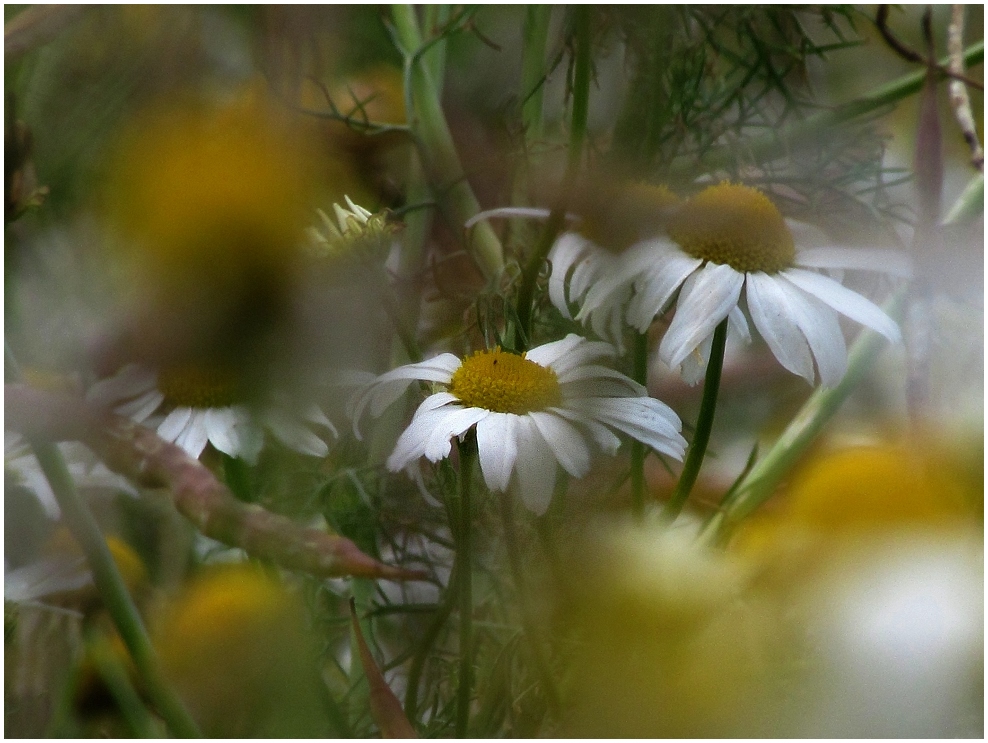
(114, 675)
(778, 143)
(112, 589)
(109, 583)
(761, 481)
(704, 424)
(425, 645)
(578, 133)
(464, 561)
(536, 33)
(971, 202)
(435, 143)
(529, 631)
(640, 375)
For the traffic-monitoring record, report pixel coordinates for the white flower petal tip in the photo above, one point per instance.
(523, 448)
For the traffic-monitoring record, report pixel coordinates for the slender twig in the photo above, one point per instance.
(911, 55)
(959, 99)
(704, 424)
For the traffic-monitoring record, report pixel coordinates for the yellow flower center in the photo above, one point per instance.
(734, 225)
(505, 383)
(199, 387)
(616, 217)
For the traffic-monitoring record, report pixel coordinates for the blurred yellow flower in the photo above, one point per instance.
(236, 647)
(208, 207)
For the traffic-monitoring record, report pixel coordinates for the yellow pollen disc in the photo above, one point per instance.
(505, 383)
(734, 225)
(619, 216)
(198, 387)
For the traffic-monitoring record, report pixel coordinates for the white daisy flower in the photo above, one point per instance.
(731, 238)
(204, 408)
(585, 257)
(530, 411)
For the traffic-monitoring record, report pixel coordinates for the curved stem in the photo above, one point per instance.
(464, 554)
(578, 133)
(704, 424)
(640, 375)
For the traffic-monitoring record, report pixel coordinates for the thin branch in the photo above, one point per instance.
(140, 455)
(959, 99)
(911, 55)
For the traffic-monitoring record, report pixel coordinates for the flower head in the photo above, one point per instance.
(206, 405)
(528, 410)
(725, 240)
(357, 232)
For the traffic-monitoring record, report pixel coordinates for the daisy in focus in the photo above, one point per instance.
(728, 239)
(529, 411)
(204, 407)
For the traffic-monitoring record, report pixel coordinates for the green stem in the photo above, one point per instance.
(704, 424)
(760, 483)
(640, 375)
(464, 570)
(112, 589)
(114, 675)
(778, 143)
(425, 645)
(435, 142)
(578, 132)
(528, 623)
(109, 583)
(536, 33)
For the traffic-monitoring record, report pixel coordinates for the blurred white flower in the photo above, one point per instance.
(203, 408)
(529, 411)
(725, 239)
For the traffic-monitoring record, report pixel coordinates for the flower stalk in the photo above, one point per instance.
(578, 130)
(761, 481)
(704, 424)
(435, 143)
(464, 573)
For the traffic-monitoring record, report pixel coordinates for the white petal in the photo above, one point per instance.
(604, 437)
(822, 330)
(291, 432)
(174, 424)
(535, 465)
(844, 301)
(455, 423)
(130, 381)
(737, 326)
(250, 436)
(644, 418)
(886, 261)
(549, 353)
(566, 442)
(411, 444)
(655, 288)
(770, 310)
(706, 298)
(221, 428)
(195, 436)
(141, 407)
(598, 381)
(564, 253)
(497, 448)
